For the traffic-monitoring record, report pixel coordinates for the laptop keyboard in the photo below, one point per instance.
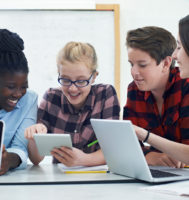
(160, 174)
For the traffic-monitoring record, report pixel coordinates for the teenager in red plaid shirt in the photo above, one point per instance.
(68, 109)
(181, 54)
(158, 99)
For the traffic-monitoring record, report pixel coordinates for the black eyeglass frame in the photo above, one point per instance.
(75, 82)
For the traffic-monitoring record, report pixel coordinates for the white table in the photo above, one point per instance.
(51, 174)
(48, 182)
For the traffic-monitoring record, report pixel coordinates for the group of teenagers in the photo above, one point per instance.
(157, 100)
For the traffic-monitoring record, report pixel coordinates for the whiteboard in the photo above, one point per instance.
(45, 32)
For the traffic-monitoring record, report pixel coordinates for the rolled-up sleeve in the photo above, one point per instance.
(26, 115)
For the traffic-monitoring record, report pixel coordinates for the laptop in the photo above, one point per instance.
(2, 127)
(124, 155)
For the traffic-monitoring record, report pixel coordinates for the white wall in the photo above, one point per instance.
(133, 14)
(139, 13)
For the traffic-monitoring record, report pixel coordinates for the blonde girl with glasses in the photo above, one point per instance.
(69, 108)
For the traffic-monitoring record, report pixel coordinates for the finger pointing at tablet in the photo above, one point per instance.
(36, 128)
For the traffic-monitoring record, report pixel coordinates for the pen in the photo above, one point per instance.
(92, 143)
(84, 172)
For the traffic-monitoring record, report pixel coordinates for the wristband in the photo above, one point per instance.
(147, 136)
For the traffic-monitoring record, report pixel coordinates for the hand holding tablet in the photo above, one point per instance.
(47, 142)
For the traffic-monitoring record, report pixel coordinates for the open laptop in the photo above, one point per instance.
(124, 155)
(2, 125)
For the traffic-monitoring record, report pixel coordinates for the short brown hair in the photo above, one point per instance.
(157, 42)
(78, 52)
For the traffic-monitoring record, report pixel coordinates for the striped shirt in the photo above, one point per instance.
(60, 116)
(173, 124)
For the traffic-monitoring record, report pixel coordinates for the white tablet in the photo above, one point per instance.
(47, 142)
(2, 127)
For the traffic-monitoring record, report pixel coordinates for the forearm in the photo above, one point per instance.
(173, 149)
(33, 152)
(95, 158)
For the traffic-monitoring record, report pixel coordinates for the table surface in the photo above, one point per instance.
(51, 174)
(47, 181)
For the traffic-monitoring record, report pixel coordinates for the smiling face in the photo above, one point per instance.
(12, 88)
(147, 75)
(76, 71)
(182, 59)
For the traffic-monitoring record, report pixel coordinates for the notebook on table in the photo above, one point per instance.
(124, 155)
(2, 126)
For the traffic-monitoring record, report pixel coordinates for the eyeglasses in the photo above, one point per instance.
(78, 83)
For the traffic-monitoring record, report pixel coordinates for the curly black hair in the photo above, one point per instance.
(12, 58)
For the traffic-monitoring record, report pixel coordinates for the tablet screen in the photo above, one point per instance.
(47, 142)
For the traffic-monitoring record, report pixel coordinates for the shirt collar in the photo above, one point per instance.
(18, 105)
(171, 80)
(3, 112)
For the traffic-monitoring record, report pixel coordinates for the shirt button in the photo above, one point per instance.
(75, 131)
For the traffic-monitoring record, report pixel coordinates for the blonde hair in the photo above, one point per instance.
(78, 52)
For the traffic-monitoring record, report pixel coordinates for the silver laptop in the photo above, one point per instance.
(2, 127)
(124, 155)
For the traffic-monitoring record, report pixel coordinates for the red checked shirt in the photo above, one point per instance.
(173, 124)
(60, 116)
